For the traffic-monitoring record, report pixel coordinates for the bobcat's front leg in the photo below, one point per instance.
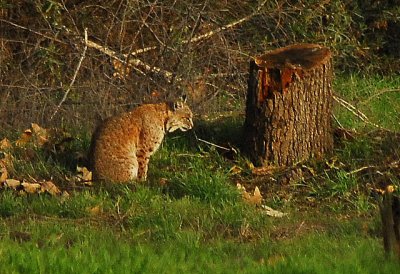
(143, 165)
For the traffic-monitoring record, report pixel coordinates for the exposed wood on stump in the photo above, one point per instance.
(289, 103)
(390, 216)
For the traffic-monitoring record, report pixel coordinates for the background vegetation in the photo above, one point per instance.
(190, 216)
(42, 41)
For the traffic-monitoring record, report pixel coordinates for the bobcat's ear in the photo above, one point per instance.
(184, 98)
(180, 103)
(177, 105)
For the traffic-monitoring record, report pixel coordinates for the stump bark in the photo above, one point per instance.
(289, 105)
(390, 217)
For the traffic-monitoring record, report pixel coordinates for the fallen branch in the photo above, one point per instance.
(140, 51)
(379, 169)
(73, 79)
(360, 169)
(135, 63)
(211, 144)
(337, 121)
(357, 112)
(214, 145)
(379, 93)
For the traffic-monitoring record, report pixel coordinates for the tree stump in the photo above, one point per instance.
(289, 104)
(390, 217)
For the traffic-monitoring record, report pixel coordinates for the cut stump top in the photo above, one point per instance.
(298, 56)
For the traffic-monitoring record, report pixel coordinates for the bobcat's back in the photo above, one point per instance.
(122, 145)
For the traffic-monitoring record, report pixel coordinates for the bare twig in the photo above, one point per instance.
(379, 93)
(218, 30)
(225, 27)
(73, 78)
(360, 169)
(337, 121)
(136, 63)
(140, 51)
(208, 34)
(33, 31)
(357, 112)
(214, 145)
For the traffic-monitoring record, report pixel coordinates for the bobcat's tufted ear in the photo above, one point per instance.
(180, 104)
(184, 98)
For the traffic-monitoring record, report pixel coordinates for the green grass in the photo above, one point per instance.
(377, 97)
(191, 218)
(62, 246)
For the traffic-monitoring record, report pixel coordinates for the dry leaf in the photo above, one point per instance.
(24, 138)
(41, 135)
(85, 175)
(64, 196)
(242, 189)
(310, 169)
(155, 94)
(255, 199)
(334, 163)
(163, 181)
(4, 174)
(235, 170)
(96, 210)
(12, 183)
(272, 212)
(5, 144)
(390, 189)
(36, 135)
(51, 188)
(264, 170)
(31, 187)
(250, 165)
(7, 161)
(246, 196)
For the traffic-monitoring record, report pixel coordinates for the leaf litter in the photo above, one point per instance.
(256, 199)
(37, 137)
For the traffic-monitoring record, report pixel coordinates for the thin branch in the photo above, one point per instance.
(33, 31)
(138, 64)
(393, 164)
(140, 51)
(337, 121)
(360, 169)
(73, 78)
(133, 62)
(218, 30)
(225, 27)
(214, 145)
(351, 108)
(379, 93)
(208, 34)
(357, 112)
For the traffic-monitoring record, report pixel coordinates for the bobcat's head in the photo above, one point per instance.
(180, 116)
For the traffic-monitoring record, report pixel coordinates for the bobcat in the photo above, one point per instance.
(122, 145)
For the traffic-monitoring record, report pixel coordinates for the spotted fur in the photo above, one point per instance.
(122, 145)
